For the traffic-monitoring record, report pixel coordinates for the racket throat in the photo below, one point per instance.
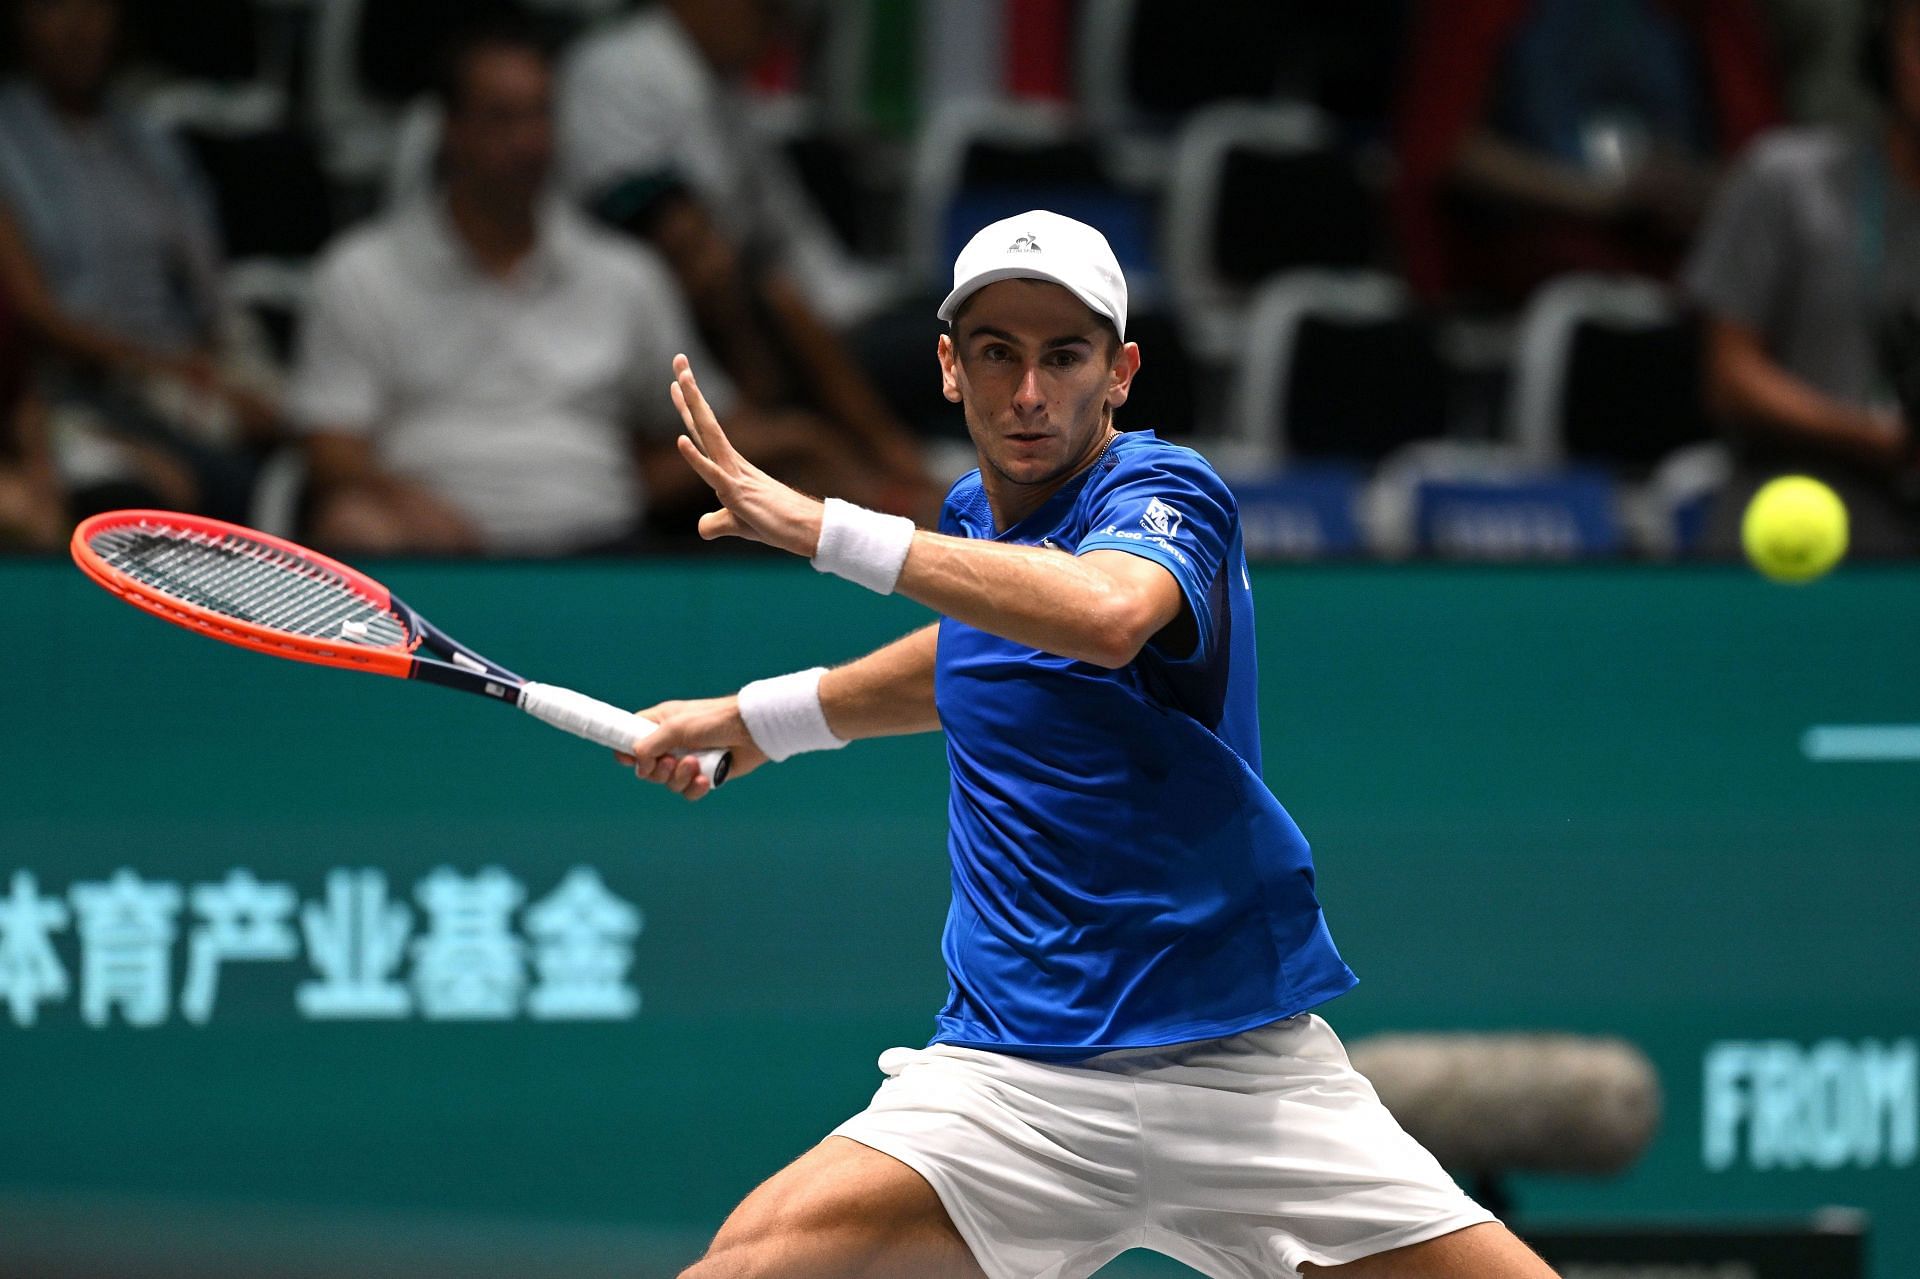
(488, 683)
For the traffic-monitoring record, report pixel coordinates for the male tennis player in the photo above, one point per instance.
(1126, 1059)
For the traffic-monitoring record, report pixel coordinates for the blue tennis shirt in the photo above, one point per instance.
(1121, 875)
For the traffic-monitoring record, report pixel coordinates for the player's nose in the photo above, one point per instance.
(1028, 396)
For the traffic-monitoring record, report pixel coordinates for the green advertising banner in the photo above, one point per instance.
(302, 968)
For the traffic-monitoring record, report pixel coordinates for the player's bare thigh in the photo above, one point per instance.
(1487, 1251)
(840, 1211)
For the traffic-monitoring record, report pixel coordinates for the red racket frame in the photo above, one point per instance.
(394, 660)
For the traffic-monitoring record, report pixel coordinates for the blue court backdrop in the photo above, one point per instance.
(303, 965)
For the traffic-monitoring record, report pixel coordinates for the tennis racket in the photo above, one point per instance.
(273, 596)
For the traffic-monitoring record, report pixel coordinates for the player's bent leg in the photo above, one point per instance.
(1485, 1251)
(840, 1211)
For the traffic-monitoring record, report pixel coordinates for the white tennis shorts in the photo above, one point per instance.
(1242, 1157)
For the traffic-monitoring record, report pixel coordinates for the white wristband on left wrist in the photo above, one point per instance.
(863, 546)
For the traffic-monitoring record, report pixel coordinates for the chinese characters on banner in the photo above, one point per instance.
(368, 956)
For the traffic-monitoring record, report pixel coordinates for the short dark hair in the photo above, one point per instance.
(497, 27)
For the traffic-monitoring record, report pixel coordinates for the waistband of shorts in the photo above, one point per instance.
(1114, 1056)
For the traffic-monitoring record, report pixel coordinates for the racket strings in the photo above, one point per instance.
(273, 588)
(249, 581)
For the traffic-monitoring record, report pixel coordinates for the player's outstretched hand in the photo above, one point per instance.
(666, 756)
(753, 504)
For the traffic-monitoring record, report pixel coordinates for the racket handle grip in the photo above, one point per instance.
(601, 722)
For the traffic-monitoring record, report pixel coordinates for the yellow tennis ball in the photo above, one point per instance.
(1795, 529)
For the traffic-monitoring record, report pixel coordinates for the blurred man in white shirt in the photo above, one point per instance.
(483, 370)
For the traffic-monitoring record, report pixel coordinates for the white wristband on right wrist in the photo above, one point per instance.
(784, 717)
(863, 546)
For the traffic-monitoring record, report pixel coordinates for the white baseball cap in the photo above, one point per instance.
(1042, 246)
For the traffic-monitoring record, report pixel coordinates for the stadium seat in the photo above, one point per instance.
(1608, 370)
(1478, 501)
(1167, 395)
(1135, 61)
(1254, 191)
(1346, 58)
(1668, 514)
(276, 211)
(1335, 365)
(1301, 513)
(979, 162)
(198, 39)
(217, 65)
(1136, 58)
(273, 292)
(270, 190)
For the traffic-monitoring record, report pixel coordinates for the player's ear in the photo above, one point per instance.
(1126, 363)
(949, 369)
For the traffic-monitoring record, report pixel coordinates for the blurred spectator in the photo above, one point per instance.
(111, 259)
(31, 511)
(485, 369)
(1809, 272)
(657, 136)
(1544, 136)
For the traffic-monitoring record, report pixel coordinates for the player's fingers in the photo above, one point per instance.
(699, 789)
(713, 439)
(665, 740)
(623, 759)
(725, 485)
(696, 456)
(679, 398)
(686, 771)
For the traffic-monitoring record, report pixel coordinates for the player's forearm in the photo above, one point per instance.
(1048, 599)
(1101, 612)
(887, 693)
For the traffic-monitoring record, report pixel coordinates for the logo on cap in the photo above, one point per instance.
(1025, 244)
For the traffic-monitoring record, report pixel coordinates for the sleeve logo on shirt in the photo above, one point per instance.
(1161, 518)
